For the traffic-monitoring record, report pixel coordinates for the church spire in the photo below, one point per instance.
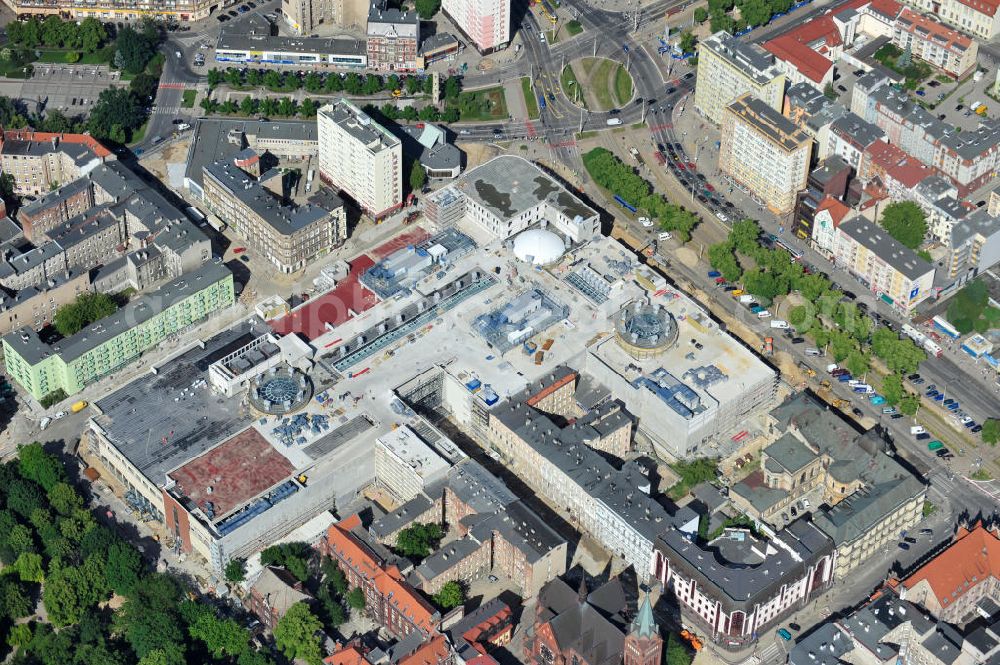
(644, 625)
(582, 592)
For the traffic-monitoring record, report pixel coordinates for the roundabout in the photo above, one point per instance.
(597, 84)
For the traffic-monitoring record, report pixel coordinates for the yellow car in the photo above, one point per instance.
(397, 93)
(737, 293)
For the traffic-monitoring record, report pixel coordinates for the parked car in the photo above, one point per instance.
(904, 546)
(977, 429)
(784, 634)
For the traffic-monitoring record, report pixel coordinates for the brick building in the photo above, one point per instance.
(39, 161)
(272, 594)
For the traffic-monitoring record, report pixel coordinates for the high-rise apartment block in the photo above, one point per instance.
(765, 152)
(360, 157)
(485, 22)
(728, 68)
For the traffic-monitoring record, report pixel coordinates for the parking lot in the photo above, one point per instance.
(70, 88)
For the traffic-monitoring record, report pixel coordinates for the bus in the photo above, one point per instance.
(625, 204)
(942, 325)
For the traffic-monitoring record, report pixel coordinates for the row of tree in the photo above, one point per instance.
(53, 550)
(753, 13)
(88, 35)
(617, 177)
(316, 83)
(825, 316)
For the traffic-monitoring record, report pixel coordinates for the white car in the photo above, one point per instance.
(44, 422)
(646, 222)
(966, 419)
(722, 216)
(61, 414)
(664, 236)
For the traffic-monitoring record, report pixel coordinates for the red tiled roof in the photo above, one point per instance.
(889, 8)
(838, 210)
(988, 7)
(971, 559)
(929, 29)
(898, 165)
(349, 655)
(43, 137)
(432, 652)
(388, 581)
(812, 65)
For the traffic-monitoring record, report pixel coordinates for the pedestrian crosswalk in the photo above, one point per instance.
(166, 110)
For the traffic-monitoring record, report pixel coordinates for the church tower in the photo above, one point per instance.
(643, 644)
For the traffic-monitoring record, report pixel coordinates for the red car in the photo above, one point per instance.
(239, 250)
(709, 187)
(681, 167)
(691, 166)
(720, 280)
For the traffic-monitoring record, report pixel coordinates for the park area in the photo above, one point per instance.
(597, 84)
(902, 62)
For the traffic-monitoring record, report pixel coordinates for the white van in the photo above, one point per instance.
(44, 423)
(664, 236)
(763, 314)
(917, 429)
(813, 352)
(614, 121)
(778, 323)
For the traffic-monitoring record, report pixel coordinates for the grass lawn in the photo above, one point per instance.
(188, 101)
(139, 134)
(58, 56)
(571, 86)
(600, 82)
(574, 28)
(14, 70)
(484, 105)
(916, 72)
(553, 36)
(529, 98)
(623, 86)
(530, 102)
(586, 135)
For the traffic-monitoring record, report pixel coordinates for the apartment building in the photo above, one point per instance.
(829, 214)
(979, 18)
(101, 348)
(305, 16)
(609, 504)
(272, 593)
(41, 161)
(289, 236)
(51, 209)
(974, 246)
(486, 23)
(888, 268)
(731, 602)
(393, 39)
(806, 53)
(938, 45)
(390, 601)
(361, 158)
(765, 152)
(729, 68)
(36, 306)
(957, 579)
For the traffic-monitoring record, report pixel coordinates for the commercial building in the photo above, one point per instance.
(428, 143)
(104, 346)
(340, 52)
(289, 236)
(509, 194)
(735, 587)
(764, 152)
(956, 580)
(950, 51)
(592, 627)
(980, 18)
(728, 68)
(888, 268)
(393, 39)
(486, 23)
(41, 161)
(360, 158)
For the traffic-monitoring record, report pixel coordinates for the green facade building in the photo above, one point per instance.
(108, 344)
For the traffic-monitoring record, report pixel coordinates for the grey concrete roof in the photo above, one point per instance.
(84, 226)
(592, 629)
(736, 584)
(391, 21)
(979, 222)
(750, 59)
(277, 587)
(477, 487)
(568, 448)
(211, 139)
(284, 219)
(790, 453)
(761, 497)
(401, 517)
(446, 557)
(777, 128)
(360, 126)
(824, 646)
(138, 415)
(861, 132)
(883, 245)
(138, 311)
(509, 185)
(232, 41)
(522, 528)
(54, 197)
(438, 41)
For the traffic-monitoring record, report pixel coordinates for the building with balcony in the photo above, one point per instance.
(949, 50)
(486, 23)
(729, 68)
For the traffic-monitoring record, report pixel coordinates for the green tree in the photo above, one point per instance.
(63, 600)
(798, 316)
(28, 567)
(857, 363)
(86, 309)
(294, 557)
(149, 618)
(721, 257)
(892, 389)
(745, 235)
(92, 34)
(418, 176)
(829, 92)
(296, 634)
(373, 84)
(215, 77)
(991, 431)
(675, 653)
(248, 106)
(115, 115)
(134, 49)
(39, 466)
(19, 636)
(451, 595)
(7, 186)
(909, 404)
(124, 564)
(308, 108)
(356, 599)
(418, 540)
(700, 15)
(905, 221)
(14, 601)
(222, 637)
(687, 42)
(236, 570)
(426, 9)
(333, 575)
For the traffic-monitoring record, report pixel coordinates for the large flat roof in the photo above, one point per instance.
(883, 245)
(159, 422)
(230, 41)
(232, 473)
(509, 185)
(775, 127)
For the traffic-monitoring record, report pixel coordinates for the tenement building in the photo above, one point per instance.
(728, 68)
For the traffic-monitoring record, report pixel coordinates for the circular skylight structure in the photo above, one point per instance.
(538, 247)
(281, 389)
(645, 330)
